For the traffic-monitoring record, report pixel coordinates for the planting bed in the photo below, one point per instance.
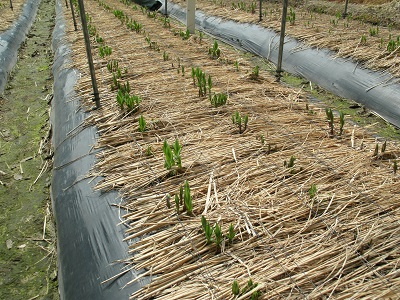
(375, 45)
(314, 210)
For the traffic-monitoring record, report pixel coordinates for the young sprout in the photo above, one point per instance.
(236, 64)
(208, 230)
(218, 99)
(169, 159)
(218, 235)
(256, 72)
(312, 192)
(120, 99)
(149, 151)
(240, 121)
(291, 162)
(142, 124)
(395, 166)
(383, 149)
(235, 288)
(214, 51)
(329, 115)
(168, 200)
(341, 116)
(187, 199)
(376, 150)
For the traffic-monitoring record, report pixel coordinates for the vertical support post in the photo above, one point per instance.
(73, 14)
(89, 53)
(166, 10)
(260, 18)
(281, 41)
(191, 16)
(344, 15)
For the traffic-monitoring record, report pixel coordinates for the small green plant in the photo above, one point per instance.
(187, 199)
(208, 229)
(142, 124)
(99, 39)
(312, 192)
(383, 149)
(172, 155)
(291, 16)
(112, 66)
(218, 235)
(149, 152)
(395, 166)
(235, 288)
(167, 22)
(231, 233)
(120, 99)
(256, 72)
(185, 35)
(393, 44)
(214, 51)
(236, 64)
(363, 40)
(132, 102)
(240, 121)
(341, 120)
(105, 51)
(376, 151)
(290, 164)
(165, 56)
(200, 76)
(373, 31)
(201, 36)
(329, 115)
(219, 99)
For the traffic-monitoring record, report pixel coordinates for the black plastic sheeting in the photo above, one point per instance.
(89, 240)
(377, 91)
(11, 39)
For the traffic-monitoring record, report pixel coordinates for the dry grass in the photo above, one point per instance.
(342, 242)
(8, 16)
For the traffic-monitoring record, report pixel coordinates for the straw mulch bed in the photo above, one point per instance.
(319, 30)
(342, 242)
(8, 16)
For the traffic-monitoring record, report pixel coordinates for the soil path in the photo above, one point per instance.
(27, 239)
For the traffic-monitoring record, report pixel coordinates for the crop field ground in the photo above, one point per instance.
(260, 193)
(294, 205)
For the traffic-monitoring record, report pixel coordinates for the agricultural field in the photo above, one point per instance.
(234, 186)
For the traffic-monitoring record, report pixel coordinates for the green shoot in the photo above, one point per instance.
(292, 16)
(329, 115)
(142, 124)
(236, 64)
(341, 116)
(214, 51)
(168, 200)
(363, 40)
(219, 99)
(149, 151)
(312, 192)
(208, 229)
(383, 149)
(218, 235)
(240, 121)
(120, 99)
(169, 158)
(172, 156)
(256, 72)
(395, 166)
(235, 288)
(187, 199)
(231, 233)
(376, 150)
